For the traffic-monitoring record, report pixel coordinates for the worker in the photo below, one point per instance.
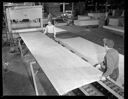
(70, 20)
(113, 12)
(101, 21)
(111, 61)
(50, 30)
(50, 18)
(106, 18)
(5, 63)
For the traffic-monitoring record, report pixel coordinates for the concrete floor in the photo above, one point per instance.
(17, 81)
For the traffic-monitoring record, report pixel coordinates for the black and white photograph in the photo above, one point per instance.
(63, 48)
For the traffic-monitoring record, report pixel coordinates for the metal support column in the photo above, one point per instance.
(63, 7)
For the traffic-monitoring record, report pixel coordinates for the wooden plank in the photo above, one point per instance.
(26, 30)
(92, 52)
(65, 70)
(114, 21)
(35, 29)
(83, 17)
(33, 76)
(95, 15)
(118, 29)
(86, 22)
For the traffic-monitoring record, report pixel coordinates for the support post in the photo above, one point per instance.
(33, 76)
(63, 7)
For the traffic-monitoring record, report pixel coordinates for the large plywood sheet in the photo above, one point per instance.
(94, 53)
(59, 29)
(90, 51)
(65, 70)
(83, 17)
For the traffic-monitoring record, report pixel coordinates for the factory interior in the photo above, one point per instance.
(61, 48)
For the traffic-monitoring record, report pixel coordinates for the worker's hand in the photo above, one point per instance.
(103, 66)
(101, 63)
(108, 77)
(98, 66)
(102, 78)
(44, 33)
(54, 36)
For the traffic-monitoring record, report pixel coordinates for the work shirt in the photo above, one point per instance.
(111, 61)
(101, 20)
(50, 29)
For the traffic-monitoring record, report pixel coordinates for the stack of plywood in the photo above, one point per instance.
(95, 15)
(91, 19)
(114, 21)
(86, 22)
(83, 17)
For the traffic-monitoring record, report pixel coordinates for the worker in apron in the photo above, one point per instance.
(106, 18)
(70, 21)
(50, 30)
(101, 21)
(111, 61)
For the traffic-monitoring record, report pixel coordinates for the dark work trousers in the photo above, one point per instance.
(51, 35)
(114, 75)
(107, 22)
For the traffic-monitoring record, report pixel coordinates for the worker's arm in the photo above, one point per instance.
(100, 65)
(110, 65)
(46, 29)
(54, 32)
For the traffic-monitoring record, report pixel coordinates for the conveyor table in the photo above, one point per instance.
(65, 70)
